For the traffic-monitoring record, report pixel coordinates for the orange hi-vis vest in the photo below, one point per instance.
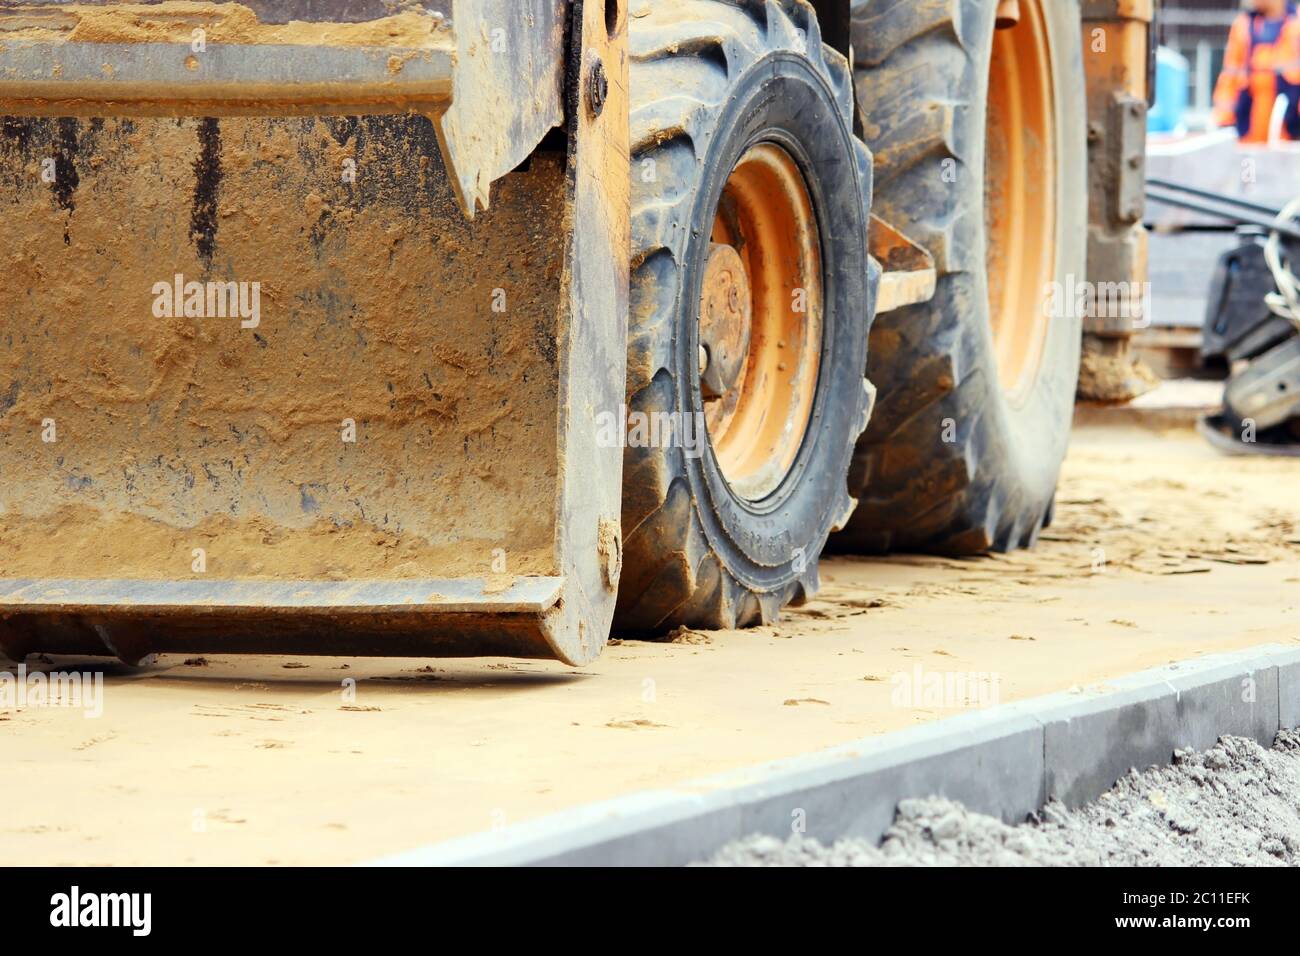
(1261, 62)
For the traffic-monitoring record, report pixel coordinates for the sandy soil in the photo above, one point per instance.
(1161, 551)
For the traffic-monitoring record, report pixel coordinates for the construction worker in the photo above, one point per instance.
(1262, 62)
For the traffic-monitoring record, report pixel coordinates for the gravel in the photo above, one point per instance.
(1236, 804)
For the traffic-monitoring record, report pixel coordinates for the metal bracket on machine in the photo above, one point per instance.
(1267, 391)
(908, 274)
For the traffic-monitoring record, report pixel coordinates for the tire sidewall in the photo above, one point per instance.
(783, 100)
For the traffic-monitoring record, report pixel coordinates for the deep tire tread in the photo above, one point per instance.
(920, 493)
(686, 60)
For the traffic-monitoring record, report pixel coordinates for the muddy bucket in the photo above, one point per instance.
(267, 387)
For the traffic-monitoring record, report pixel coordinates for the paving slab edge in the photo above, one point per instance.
(1005, 761)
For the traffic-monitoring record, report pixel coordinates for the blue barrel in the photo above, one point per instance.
(1173, 80)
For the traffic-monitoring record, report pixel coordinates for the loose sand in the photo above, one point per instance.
(1161, 551)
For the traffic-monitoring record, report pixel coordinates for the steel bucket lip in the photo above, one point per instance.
(523, 595)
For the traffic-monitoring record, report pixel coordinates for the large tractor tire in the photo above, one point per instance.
(749, 303)
(981, 157)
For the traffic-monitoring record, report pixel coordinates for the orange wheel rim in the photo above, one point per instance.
(761, 317)
(1020, 196)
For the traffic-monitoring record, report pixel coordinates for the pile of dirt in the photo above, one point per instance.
(1234, 805)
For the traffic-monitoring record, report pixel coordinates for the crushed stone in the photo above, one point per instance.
(1237, 804)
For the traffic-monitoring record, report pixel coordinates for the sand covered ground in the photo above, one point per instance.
(1161, 551)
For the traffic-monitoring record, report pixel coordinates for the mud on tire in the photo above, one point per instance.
(710, 79)
(950, 463)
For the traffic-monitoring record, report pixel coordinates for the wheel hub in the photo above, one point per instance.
(760, 321)
(726, 310)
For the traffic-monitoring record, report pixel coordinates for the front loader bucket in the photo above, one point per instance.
(272, 377)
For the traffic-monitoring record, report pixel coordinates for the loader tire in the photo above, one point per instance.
(747, 186)
(964, 453)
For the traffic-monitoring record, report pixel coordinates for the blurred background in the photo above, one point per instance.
(1193, 38)
(1219, 125)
